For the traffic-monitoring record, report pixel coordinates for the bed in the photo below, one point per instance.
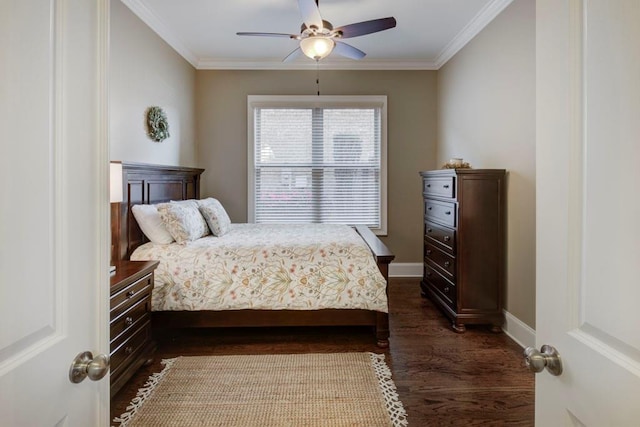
(152, 184)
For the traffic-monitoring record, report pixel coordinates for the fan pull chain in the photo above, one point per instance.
(318, 75)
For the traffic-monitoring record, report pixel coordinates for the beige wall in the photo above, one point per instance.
(222, 136)
(145, 71)
(486, 114)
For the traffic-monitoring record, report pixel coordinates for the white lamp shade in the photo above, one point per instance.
(317, 47)
(115, 182)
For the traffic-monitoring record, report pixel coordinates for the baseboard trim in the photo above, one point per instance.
(519, 331)
(405, 269)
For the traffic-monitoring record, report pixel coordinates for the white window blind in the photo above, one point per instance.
(318, 159)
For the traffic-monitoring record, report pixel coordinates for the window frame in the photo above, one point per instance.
(318, 101)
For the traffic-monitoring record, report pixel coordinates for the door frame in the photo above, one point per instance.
(101, 177)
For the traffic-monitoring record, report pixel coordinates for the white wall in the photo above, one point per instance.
(486, 114)
(145, 71)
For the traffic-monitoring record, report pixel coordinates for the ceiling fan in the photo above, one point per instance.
(318, 38)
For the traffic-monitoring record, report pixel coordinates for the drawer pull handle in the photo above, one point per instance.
(429, 230)
(446, 186)
(130, 294)
(128, 321)
(446, 289)
(447, 213)
(128, 350)
(447, 238)
(447, 263)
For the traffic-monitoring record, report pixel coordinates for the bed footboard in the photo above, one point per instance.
(382, 254)
(165, 321)
(383, 258)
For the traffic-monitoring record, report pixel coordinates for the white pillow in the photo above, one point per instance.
(190, 202)
(151, 224)
(183, 220)
(215, 215)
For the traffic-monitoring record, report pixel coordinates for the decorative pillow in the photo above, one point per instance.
(188, 202)
(183, 220)
(215, 215)
(151, 224)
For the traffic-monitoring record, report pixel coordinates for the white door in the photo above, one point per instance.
(54, 210)
(588, 210)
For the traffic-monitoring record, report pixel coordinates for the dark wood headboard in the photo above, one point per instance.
(148, 184)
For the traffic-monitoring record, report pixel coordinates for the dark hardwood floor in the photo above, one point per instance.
(443, 378)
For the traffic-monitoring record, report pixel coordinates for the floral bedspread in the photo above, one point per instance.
(267, 267)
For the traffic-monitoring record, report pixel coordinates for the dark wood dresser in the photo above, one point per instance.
(464, 239)
(130, 302)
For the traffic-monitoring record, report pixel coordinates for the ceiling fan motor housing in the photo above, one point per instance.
(326, 30)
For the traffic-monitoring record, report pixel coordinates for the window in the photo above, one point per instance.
(318, 159)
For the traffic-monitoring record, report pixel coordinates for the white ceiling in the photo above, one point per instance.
(427, 35)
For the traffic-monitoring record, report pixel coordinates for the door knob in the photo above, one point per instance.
(548, 357)
(85, 365)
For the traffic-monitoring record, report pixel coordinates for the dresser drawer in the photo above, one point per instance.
(440, 187)
(441, 286)
(442, 236)
(131, 318)
(125, 349)
(446, 263)
(131, 294)
(442, 212)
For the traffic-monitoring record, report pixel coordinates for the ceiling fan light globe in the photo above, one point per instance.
(317, 47)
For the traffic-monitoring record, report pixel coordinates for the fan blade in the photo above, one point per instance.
(293, 55)
(310, 13)
(348, 51)
(291, 36)
(366, 27)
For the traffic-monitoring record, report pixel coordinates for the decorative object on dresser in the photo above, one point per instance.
(130, 313)
(456, 163)
(464, 232)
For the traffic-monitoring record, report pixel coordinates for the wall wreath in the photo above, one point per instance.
(157, 124)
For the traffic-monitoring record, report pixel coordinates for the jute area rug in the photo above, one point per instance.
(338, 389)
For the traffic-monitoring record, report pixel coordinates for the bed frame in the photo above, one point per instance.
(150, 184)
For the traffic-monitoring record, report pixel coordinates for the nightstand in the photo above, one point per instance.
(130, 314)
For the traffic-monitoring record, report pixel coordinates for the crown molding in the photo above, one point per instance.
(152, 21)
(222, 64)
(477, 24)
(472, 29)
